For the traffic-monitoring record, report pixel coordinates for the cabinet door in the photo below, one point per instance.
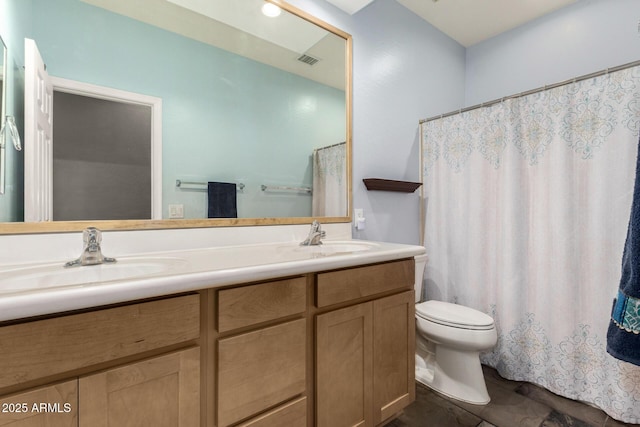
(393, 354)
(344, 367)
(163, 391)
(260, 369)
(52, 406)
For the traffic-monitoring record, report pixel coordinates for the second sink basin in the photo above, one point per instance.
(56, 275)
(337, 247)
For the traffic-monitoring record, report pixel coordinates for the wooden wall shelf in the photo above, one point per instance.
(391, 185)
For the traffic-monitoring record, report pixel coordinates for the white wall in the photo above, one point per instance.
(588, 36)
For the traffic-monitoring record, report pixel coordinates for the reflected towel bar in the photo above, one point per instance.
(180, 183)
(284, 188)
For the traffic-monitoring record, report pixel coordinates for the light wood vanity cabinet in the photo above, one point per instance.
(365, 351)
(26, 410)
(322, 349)
(262, 354)
(344, 367)
(161, 391)
(351, 330)
(263, 302)
(393, 354)
(108, 367)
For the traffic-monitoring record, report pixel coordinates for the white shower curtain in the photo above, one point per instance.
(527, 205)
(330, 181)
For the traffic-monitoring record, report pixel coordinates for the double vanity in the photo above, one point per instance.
(244, 333)
(256, 335)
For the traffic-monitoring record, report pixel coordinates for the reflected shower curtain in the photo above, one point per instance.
(527, 205)
(330, 181)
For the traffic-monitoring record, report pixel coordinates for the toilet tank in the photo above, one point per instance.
(421, 263)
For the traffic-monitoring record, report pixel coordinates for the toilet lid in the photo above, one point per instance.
(454, 315)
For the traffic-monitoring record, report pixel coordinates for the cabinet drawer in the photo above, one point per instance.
(260, 369)
(344, 285)
(250, 305)
(292, 414)
(38, 349)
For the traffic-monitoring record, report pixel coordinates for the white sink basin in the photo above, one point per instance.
(56, 275)
(337, 247)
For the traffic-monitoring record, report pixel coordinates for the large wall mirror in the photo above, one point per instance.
(255, 112)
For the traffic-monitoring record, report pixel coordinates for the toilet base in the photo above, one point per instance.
(455, 374)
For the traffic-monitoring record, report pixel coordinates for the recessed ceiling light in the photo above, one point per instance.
(271, 10)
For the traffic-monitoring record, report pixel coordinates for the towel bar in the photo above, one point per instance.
(284, 188)
(180, 183)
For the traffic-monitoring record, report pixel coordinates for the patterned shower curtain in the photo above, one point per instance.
(527, 204)
(330, 181)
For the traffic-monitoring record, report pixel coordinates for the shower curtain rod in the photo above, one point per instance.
(530, 92)
(330, 146)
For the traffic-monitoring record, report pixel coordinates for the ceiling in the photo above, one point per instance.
(240, 27)
(470, 21)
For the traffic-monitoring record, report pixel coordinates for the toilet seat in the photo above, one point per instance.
(454, 315)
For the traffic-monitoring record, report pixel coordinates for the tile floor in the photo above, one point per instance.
(513, 404)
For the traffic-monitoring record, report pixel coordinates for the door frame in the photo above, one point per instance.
(110, 94)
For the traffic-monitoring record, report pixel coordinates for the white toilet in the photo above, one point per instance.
(449, 339)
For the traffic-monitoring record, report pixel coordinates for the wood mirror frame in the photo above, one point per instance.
(72, 226)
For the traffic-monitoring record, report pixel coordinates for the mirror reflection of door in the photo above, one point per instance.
(101, 159)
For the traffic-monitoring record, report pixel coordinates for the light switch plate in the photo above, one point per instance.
(176, 211)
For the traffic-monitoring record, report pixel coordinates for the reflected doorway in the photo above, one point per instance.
(101, 159)
(106, 154)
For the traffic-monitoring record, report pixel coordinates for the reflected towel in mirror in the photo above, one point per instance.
(222, 200)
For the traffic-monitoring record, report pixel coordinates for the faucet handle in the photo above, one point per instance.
(91, 237)
(316, 227)
(315, 234)
(91, 234)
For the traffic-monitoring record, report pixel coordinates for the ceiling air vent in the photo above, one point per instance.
(308, 59)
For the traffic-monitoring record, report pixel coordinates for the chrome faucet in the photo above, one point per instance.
(91, 254)
(315, 234)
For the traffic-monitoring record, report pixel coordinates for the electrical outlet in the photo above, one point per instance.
(176, 211)
(358, 219)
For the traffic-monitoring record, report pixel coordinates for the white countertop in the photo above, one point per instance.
(27, 290)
